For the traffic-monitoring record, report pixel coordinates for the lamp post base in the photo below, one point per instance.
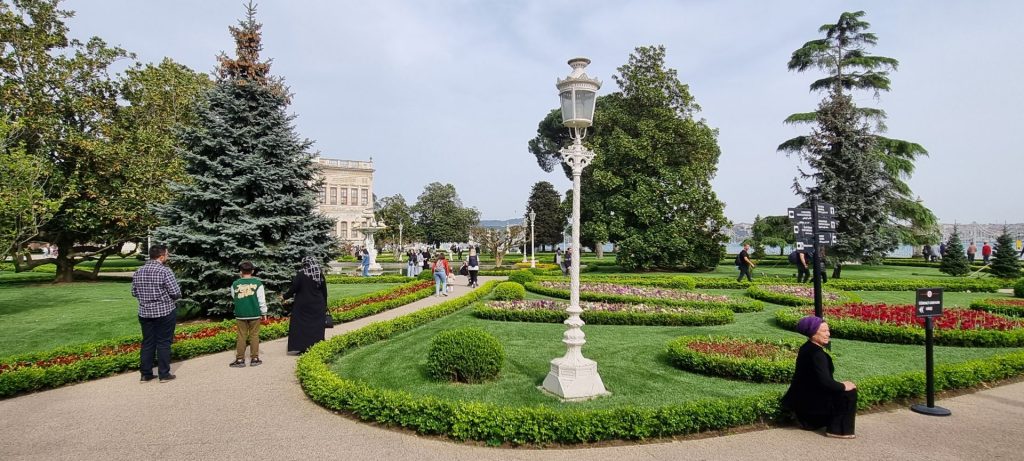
(574, 380)
(930, 411)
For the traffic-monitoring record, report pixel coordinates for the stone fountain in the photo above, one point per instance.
(372, 227)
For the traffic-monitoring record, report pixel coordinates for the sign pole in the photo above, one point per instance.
(928, 307)
(818, 311)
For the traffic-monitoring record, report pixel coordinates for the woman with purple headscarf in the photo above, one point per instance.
(310, 307)
(814, 396)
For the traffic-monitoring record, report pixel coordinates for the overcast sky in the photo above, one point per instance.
(451, 91)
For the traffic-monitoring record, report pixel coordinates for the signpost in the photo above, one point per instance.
(814, 227)
(929, 306)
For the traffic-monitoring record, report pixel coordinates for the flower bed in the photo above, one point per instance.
(796, 295)
(543, 425)
(44, 370)
(980, 285)
(897, 324)
(757, 360)
(613, 293)
(596, 313)
(1005, 306)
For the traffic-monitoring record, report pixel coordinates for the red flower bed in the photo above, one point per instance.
(207, 332)
(951, 319)
(740, 349)
(1008, 302)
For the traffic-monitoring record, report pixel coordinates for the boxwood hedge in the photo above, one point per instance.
(739, 306)
(775, 369)
(694, 317)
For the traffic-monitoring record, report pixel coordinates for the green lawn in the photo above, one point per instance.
(630, 359)
(40, 317)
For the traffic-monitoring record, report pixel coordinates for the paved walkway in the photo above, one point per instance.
(215, 412)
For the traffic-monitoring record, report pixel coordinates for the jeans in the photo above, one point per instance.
(366, 270)
(440, 283)
(157, 335)
(248, 332)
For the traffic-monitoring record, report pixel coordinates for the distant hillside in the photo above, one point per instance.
(495, 223)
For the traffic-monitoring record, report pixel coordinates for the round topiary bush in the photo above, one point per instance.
(466, 355)
(425, 275)
(1018, 288)
(522, 276)
(683, 282)
(509, 291)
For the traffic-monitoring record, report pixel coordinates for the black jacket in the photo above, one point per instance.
(813, 389)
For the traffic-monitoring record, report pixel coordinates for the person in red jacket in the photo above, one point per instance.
(986, 252)
(441, 273)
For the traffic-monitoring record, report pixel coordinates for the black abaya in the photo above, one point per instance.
(308, 312)
(816, 398)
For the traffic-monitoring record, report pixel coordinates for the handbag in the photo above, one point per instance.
(329, 321)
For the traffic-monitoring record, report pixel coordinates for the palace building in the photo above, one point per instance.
(346, 195)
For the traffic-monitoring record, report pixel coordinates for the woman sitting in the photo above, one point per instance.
(814, 396)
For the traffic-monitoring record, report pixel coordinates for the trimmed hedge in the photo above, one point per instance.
(350, 279)
(999, 306)
(465, 355)
(786, 299)
(370, 303)
(541, 425)
(522, 276)
(71, 364)
(756, 369)
(696, 317)
(1018, 288)
(897, 334)
(738, 306)
(508, 291)
(989, 284)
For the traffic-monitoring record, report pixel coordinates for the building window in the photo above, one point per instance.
(323, 196)
(343, 199)
(364, 197)
(355, 196)
(343, 232)
(334, 196)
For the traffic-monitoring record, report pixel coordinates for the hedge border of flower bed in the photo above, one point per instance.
(758, 370)
(737, 306)
(541, 425)
(785, 299)
(989, 285)
(897, 334)
(350, 279)
(696, 317)
(33, 378)
(988, 306)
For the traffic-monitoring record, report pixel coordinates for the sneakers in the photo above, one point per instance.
(147, 378)
(164, 379)
(255, 362)
(239, 363)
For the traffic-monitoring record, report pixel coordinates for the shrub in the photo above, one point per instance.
(522, 276)
(1003, 306)
(544, 311)
(682, 282)
(466, 355)
(509, 291)
(1018, 288)
(425, 275)
(757, 360)
(559, 290)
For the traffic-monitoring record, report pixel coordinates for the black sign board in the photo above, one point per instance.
(929, 302)
(826, 210)
(825, 224)
(799, 214)
(801, 229)
(827, 238)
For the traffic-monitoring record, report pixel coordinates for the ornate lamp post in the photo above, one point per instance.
(533, 243)
(524, 239)
(573, 377)
(401, 253)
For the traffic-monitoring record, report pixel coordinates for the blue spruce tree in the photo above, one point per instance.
(252, 189)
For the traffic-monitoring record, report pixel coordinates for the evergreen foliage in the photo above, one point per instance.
(467, 355)
(550, 219)
(891, 211)
(775, 231)
(954, 262)
(440, 215)
(1004, 262)
(252, 187)
(648, 189)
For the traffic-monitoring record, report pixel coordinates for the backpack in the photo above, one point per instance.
(738, 260)
(794, 257)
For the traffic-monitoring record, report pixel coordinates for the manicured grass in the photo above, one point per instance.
(40, 317)
(630, 359)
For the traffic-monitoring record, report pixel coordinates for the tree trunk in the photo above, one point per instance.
(65, 265)
(599, 249)
(99, 264)
(837, 271)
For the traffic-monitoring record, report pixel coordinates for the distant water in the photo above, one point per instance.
(904, 251)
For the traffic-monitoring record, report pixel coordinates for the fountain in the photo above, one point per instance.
(371, 227)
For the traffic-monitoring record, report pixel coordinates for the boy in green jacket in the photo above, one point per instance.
(250, 305)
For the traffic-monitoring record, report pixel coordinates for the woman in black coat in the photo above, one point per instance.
(310, 307)
(814, 396)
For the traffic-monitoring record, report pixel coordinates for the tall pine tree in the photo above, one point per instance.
(1004, 258)
(252, 189)
(954, 262)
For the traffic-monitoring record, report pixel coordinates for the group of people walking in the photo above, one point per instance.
(157, 290)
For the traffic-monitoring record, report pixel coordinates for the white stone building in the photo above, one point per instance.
(346, 196)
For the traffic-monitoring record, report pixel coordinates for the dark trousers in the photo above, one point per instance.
(472, 277)
(841, 418)
(157, 335)
(970, 258)
(744, 270)
(803, 274)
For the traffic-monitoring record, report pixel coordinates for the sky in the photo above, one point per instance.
(452, 90)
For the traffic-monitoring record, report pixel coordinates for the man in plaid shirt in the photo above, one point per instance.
(156, 289)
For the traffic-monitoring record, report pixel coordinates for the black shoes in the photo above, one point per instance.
(239, 363)
(164, 379)
(255, 362)
(147, 378)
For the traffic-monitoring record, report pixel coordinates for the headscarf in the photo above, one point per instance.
(808, 326)
(311, 268)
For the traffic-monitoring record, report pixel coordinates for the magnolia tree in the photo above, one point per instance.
(498, 241)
